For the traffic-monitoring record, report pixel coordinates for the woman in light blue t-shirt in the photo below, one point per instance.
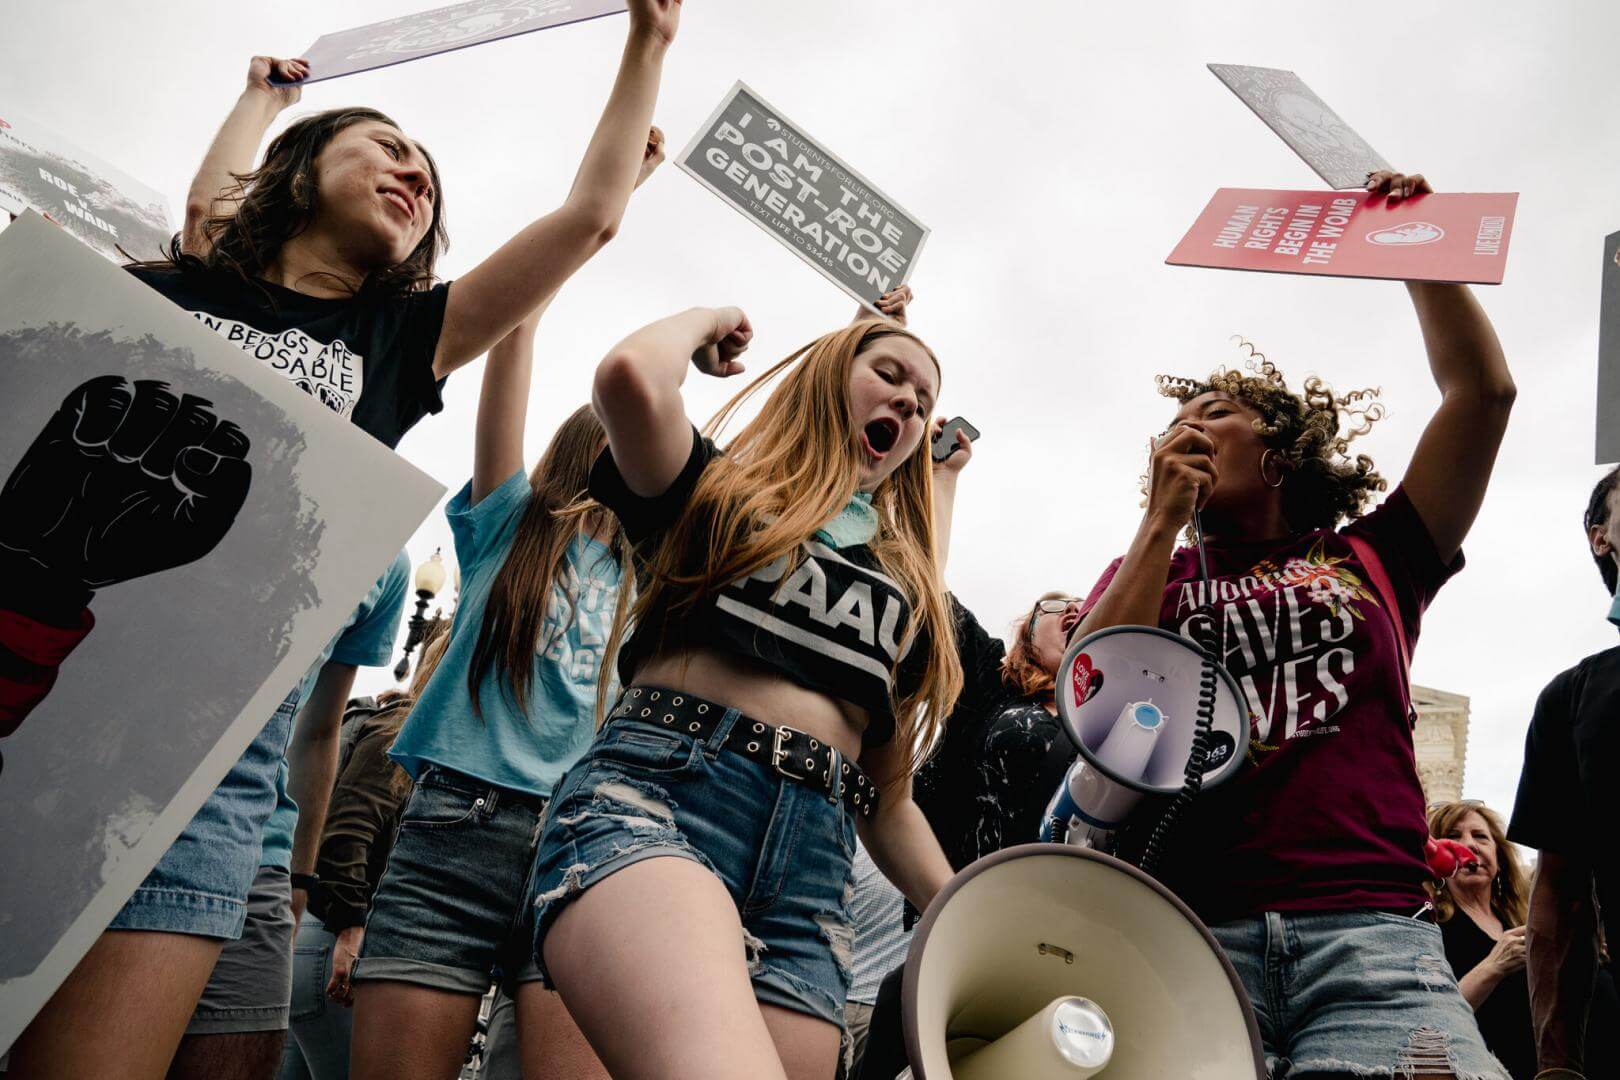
(510, 708)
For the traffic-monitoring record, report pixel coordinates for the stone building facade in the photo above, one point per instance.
(1441, 741)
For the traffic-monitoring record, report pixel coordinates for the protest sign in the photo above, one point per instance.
(204, 527)
(1444, 237)
(442, 30)
(803, 194)
(1303, 121)
(1608, 392)
(101, 205)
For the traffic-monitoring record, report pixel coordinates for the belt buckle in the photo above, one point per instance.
(784, 736)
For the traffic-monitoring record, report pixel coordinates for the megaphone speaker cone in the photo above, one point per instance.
(1017, 932)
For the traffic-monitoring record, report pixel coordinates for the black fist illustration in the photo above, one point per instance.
(123, 481)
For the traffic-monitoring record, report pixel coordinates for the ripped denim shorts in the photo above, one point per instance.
(1362, 993)
(784, 851)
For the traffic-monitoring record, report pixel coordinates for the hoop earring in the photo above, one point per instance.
(1280, 474)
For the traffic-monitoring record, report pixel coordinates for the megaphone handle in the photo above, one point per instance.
(1193, 783)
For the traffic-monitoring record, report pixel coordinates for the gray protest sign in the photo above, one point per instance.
(1608, 389)
(803, 194)
(1303, 121)
(442, 30)
(208, 560)
(99, 204)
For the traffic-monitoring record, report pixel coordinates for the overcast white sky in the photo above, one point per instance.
(1059, 151)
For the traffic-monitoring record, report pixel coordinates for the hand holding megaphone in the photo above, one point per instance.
(1446, 857)
(1181, 474)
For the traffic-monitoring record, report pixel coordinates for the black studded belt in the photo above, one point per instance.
(791, 753)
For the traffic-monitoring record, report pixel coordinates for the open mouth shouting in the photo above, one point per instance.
(879, 436)
(1070, 621)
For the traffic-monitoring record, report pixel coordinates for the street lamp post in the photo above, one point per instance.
(429, 580)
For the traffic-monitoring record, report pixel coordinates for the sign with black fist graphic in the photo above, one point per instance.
(181, 531)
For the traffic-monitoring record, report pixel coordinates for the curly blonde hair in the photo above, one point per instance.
(1323, 485)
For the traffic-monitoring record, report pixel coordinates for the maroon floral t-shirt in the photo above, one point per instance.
(1327, 814)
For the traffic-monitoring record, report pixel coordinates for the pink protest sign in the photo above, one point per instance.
(1440, 237)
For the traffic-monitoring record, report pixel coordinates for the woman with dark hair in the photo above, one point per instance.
(1309, 863)
(319, 263)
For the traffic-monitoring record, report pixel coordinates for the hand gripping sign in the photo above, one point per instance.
(1432, 237)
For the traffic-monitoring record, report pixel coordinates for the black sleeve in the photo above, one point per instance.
(981, 655)
(420, 315)
(642, 517)
(1547, 812)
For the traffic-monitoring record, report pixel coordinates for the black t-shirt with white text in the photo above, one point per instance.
(368, 358)
(835, 623)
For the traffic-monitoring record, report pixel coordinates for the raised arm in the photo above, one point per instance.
(637, 390)
(493, 297)
(236, 146)
(944, 480)
(503, 407)
(503, 399)
(1453, 460)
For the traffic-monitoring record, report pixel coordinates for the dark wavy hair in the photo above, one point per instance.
(1322, 484)
(276, 202)
(1597, 513)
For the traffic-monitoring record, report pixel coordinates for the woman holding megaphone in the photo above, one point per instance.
(1308, 865)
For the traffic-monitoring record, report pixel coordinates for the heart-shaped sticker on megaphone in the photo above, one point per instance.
(1410, 234)
(1087, 679)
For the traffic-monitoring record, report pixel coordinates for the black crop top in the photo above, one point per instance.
(836, 625)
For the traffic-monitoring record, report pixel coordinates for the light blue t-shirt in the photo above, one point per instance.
(366, 640)
(521, 750)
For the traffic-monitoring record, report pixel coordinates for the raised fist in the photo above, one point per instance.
(124, 481)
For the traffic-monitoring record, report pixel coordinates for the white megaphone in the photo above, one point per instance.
(1129, 698)
(1050, 962)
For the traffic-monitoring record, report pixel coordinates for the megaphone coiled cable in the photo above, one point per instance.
(1207, 641)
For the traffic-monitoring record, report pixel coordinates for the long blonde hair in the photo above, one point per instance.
(1510, 891)
(785, 475)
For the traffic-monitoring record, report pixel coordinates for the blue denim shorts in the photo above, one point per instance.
(201, 884)
(452, 909)
(1361, 992)
(784, 851)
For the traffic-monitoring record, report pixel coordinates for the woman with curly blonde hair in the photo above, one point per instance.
(1308, 865)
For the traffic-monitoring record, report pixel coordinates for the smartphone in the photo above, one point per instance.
(945, 441)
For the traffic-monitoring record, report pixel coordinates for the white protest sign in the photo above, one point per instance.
(803, 194)
(100, 204)
(205, 528)
(1303, 121)
(442, 30)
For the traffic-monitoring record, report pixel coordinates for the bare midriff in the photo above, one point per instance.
(758, 692)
